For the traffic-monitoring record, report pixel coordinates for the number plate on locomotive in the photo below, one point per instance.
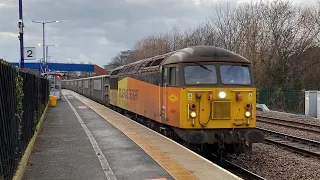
(238, 121)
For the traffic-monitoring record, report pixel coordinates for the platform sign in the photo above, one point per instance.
(29, 53)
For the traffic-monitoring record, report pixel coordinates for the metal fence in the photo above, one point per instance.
(23, 97)
(282, 99)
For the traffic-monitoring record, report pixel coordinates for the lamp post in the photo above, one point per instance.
(20, 25)
(47, 49)
(47, 53)
(43, 37)
(49, 57)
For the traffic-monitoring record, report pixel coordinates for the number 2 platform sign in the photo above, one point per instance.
(29, 53)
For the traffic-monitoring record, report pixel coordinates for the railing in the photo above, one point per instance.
(23, 97)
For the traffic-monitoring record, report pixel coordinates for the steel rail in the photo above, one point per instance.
(291, 124)
(234, 168)
(305, 146)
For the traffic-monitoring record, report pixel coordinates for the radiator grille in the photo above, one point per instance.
(221, 110)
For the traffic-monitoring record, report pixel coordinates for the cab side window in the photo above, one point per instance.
(164, 75)
(173, 76)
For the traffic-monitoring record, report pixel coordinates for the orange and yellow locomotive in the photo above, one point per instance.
(202, 96)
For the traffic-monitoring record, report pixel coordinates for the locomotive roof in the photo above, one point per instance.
(204, 53)
(200, 53)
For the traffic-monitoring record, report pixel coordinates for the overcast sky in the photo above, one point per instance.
(95, 30)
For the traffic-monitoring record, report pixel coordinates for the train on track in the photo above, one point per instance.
(201, 96)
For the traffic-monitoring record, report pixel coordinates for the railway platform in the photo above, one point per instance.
(82, 139)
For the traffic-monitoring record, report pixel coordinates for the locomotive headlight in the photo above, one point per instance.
(247, 114)
(193, 114)
(222, 94)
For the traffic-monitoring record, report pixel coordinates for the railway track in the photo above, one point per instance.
(241, 172)
(291, 124)
(233, 168)
(225, 163)
(303, 146)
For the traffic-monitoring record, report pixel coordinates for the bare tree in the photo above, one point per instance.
(117, 61)
(276, 36)
(289, 31)
(176, 38)
(224, 24)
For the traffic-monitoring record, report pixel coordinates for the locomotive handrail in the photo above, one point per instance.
(241, 90)
(193, 90)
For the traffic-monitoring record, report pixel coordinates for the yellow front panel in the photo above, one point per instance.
(218, 113)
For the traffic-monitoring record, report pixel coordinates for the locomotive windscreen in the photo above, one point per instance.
(231, 74)
(200, 74)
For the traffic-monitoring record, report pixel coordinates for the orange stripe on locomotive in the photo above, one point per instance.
(144, 99)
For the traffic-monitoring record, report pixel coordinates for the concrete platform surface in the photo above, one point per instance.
(76, 143)
(178, 161)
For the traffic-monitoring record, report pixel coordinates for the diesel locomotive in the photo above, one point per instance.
(202, 96)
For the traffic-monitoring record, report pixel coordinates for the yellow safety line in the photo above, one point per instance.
(24, 160)
(171, 166)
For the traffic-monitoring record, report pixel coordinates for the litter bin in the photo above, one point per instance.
(53, 100)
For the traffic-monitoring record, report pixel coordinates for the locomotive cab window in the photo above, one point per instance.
(164, 75)
(231, 74)
(200, 74)
(172, 76)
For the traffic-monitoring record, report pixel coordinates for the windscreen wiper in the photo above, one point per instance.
(203, 66)
(233, 66)
(230, 68)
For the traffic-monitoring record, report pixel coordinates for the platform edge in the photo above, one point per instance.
(24, 160)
